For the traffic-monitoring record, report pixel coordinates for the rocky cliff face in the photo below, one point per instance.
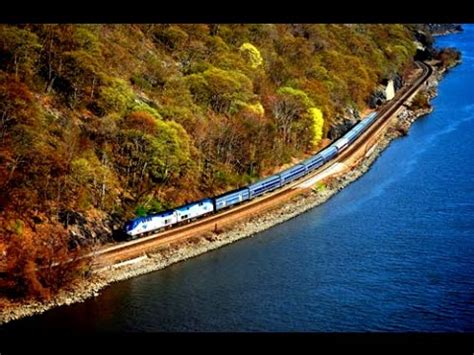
(377, 98)
(340, 129)
(97, 227)
(443, 28)
(343, 123)
(380, 94)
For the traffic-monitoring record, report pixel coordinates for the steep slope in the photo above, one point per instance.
(99, 123)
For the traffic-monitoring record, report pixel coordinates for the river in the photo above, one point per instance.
(394, 251)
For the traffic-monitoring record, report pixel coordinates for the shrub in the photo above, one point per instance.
(420, 101)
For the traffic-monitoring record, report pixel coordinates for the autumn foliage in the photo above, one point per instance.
(38, 260)
(132, 119)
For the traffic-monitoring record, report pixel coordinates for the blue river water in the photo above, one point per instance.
(392, 252)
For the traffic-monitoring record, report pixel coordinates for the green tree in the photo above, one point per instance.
(222, 90)
(22, 47)
(116, 96)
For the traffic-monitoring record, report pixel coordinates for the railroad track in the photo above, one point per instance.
(131, 249)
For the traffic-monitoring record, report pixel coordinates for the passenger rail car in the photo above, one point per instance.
(270, 183)
(231, 198)
(293, 173)
(159, 221)
(314, 162)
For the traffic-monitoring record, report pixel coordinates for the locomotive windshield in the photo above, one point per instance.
(131, 225)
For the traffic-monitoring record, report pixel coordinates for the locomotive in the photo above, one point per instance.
(155, 222)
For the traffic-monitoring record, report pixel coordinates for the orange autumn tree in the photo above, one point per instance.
(37, 259)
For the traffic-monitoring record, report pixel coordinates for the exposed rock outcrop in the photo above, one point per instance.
(380, 94)
(398, 81)
(443, 28)
(338, 130)
(344, 124)
(377, 98)
(93, 227)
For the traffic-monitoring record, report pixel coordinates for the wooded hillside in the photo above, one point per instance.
(120, 120)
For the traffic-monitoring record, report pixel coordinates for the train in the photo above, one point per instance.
(153, 223)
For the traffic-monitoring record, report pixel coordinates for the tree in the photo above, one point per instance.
(301, 123)
(56, 39)
(16, 104)
(318, 124)
(94, 180)
(288, 106)
(39, 260)
(222, 90)
(151, 151)
(115, 96)
(142, 121)
(22, 47)
(81, 74)
(252, 54)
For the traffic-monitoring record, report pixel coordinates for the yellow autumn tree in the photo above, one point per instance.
(317, 124)
(252, 54)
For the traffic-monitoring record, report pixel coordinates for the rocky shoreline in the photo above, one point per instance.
(82, 290)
